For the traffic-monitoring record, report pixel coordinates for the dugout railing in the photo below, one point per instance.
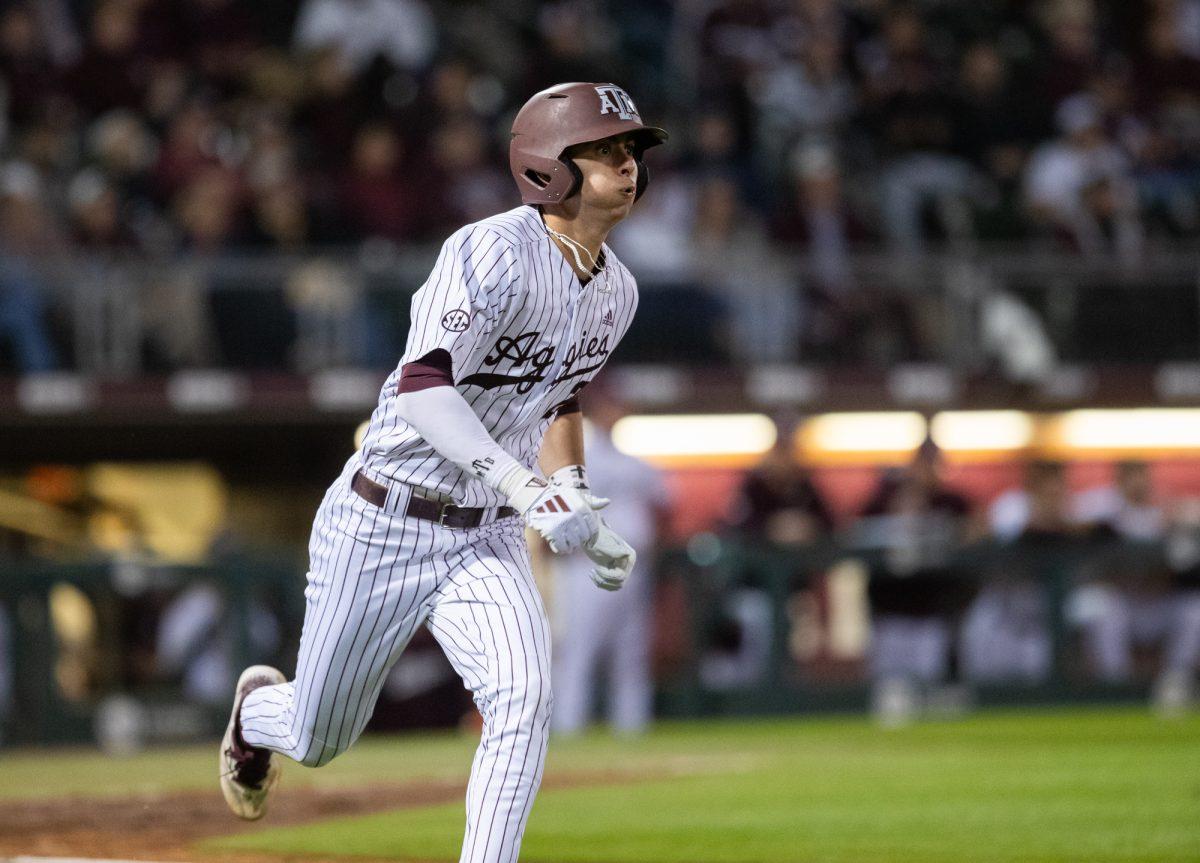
(78, 644)
(743, 627)
(793, 666)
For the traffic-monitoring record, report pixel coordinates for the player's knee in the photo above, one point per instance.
(530, 700)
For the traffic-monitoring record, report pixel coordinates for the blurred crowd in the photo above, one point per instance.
(196, 127)
(1042, 582)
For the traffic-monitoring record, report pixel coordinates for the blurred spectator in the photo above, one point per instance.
(838, 122)
(1081, 184)
(334, 324)
(1074, 49)
(455, 90)
(95, 210)
(25, 234)
(124, 149)
(113, 71)
(330, 111)
(281, 220)
(25, 66)
(1185, 15)
(104, 313)
(401, 32)
(601, 634)
(915, 116)
(376, 199)
(734, 42)
(717, 148)
(578, 43)
(270, 157)
(817, 216)
(915, 522)
(996, 129)
(461, 183)
(1163, 73)
(655, 240)
(808, 100)
(190, 146)
(207, 210)
(778, 501)
(171, 86)
(219, 39)
(734, 263)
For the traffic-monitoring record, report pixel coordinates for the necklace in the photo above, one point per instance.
(597, 274)
(576, 248)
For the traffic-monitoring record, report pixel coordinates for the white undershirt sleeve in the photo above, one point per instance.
(444, 419)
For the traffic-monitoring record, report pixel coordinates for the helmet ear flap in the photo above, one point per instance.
(643, 179)
(576, 177)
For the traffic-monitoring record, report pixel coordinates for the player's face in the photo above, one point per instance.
(609, 173)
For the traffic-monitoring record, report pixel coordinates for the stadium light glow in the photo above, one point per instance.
(957, 431)
(684, 435)
(1137, 428)
(881, 431)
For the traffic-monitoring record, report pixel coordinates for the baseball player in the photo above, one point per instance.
(608, 635)
(426, 523)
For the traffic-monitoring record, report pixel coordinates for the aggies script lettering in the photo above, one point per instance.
(526, 364)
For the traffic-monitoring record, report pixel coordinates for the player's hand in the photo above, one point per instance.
(613, 558)
(575, 476)
(561, 515)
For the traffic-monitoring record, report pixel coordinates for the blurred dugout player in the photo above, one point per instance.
(917, 522)
(1006, 630)
(608, 634)
(196, 638)
(1133, 605)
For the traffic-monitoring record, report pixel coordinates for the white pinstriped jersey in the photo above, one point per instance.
(524, 336)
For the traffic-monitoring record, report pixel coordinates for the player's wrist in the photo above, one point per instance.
(517, 483)
(575, 476)
(571, 476)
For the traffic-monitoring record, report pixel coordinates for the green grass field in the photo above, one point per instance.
(1048, 786)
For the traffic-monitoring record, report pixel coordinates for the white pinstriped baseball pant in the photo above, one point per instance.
(374, 578)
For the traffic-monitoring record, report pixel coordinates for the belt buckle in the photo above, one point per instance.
(444, 512)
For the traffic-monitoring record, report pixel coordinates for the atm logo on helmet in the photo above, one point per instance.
(614, 100)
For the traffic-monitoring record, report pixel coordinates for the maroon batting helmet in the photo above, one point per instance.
(562, 117)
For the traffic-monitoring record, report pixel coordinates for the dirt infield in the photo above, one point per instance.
(165, 827)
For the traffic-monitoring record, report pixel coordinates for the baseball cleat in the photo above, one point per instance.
(248, 772)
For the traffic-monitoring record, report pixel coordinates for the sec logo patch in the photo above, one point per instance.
(456, 321)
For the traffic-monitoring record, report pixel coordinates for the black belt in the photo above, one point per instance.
(446, 514)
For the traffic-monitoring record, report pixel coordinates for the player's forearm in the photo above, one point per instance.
(444, 419)
(563, 443)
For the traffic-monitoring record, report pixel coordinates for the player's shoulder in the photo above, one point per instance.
(505, 231)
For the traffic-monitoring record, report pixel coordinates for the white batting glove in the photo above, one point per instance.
(575, 476)
(613, 558)
(563, 518)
